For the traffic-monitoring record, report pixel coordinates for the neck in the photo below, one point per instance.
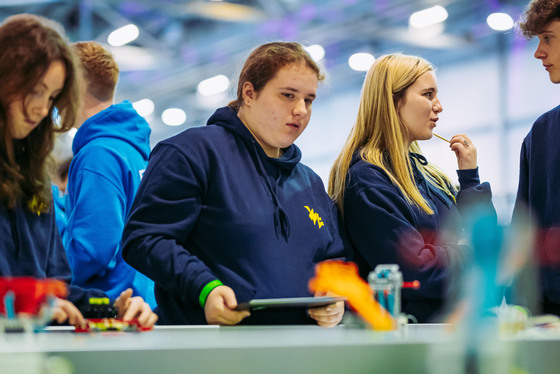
(270, 151)
(90, 107)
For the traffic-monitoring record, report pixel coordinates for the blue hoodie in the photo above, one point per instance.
(30, 246)
(213, 207)
(111, 152)
(538, 190)
(384, 228)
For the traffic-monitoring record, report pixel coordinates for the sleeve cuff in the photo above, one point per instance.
(468, 178)
(206, 291)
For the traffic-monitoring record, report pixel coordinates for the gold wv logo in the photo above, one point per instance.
(314, 217)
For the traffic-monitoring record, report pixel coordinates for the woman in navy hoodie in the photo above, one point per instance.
(227, 212)
(395, 204)
(38, 72)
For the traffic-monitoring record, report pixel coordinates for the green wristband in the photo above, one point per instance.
(206, 291)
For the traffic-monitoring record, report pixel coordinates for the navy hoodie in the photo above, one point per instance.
(539, 190)
(30, 246)
(212, 206)
(385, 229)
(111, 152)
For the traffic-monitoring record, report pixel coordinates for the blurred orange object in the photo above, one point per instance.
(342, 278)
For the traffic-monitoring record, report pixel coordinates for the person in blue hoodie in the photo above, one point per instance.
(111, 149)
(397, 207)
(537, 198)
(227, 213)
(44, 77)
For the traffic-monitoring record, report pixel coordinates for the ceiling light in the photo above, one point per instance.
(316, 51)
(361, 61)
(173, 117)
(124, 35)
(144, 107)
(213, 86)
(500, 21)
(428, 17)
(132, 58)
(225, 11)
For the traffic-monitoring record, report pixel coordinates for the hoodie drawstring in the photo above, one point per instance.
(281, 220)
(430, 191)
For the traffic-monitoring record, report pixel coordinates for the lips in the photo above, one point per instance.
(547, 67)
(295, 125)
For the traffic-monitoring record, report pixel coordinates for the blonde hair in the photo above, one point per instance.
(381, 137)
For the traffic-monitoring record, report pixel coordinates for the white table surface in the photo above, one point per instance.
(429, 349)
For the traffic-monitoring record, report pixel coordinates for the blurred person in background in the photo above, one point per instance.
(111, 149)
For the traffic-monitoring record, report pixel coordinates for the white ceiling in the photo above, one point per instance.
(184, 42)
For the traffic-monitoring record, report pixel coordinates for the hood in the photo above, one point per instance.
(227, 118)
(119, 121)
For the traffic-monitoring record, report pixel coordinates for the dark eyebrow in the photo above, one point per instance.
(294, 90)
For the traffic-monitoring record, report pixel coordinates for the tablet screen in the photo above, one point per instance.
(290, 302)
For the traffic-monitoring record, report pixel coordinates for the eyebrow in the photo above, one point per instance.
(56, 92)
(294, 90)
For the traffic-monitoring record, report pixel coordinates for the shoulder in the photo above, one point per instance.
(551, 114)
(196, 137)
(366, 173)
(545, 129)
(308, 173)
(201, 146)
(546, 120)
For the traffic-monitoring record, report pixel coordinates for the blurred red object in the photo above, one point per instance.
(30, 294)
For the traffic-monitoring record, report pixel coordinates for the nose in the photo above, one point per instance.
(40, 108)
(437, 108)
(540, 52)
(300, 108)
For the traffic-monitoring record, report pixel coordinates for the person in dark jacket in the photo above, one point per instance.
(227, 213)
(395, 203)
(539, 175)
(44, 76)
(111, 149)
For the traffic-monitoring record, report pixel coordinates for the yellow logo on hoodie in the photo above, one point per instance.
(314, 217)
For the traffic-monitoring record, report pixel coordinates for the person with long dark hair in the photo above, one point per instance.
(39, 73)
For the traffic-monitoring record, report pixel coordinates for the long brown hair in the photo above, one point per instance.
(28, 45)
(265, 61)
